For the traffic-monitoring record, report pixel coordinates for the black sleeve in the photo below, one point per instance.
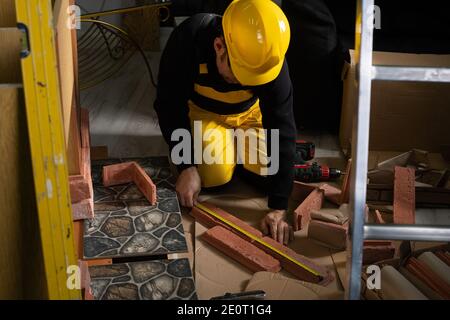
(276, 105)
(175, 81)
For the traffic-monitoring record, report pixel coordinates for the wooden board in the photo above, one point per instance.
(10, 46)
(7, 13)
(10, 233)
(19, 229)
(65, 53)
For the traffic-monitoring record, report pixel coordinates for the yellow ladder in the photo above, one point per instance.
(46, 135)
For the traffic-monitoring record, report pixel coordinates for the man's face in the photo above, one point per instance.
(222, 61)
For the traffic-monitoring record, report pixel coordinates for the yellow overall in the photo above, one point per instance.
(214, 132)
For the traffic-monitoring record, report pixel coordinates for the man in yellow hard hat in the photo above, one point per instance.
(229, 73)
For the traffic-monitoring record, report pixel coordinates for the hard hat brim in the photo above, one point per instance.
(255, 78)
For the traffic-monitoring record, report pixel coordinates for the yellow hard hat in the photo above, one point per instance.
(257, 36)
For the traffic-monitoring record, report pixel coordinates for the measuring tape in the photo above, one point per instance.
(255, 238)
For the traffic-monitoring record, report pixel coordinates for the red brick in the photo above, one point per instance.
(84, 274)
(323, 277)
(85, 279)
(330, 234)
(127, 172)
(302, 214)
(84, 128)
(331, 193)
(404, 196)
(118, 174)
(98, 262)
(301, 190)
(85, 145)
(379, 243)
(86, 163)
(144, 183)
(229, 217)
(88, 295)
(78, 230)
(206, 219)
(375, 251)
(79, 188)
(241, 250)
(427, 276)
(333, 216)
(83, 210)
(445, 257)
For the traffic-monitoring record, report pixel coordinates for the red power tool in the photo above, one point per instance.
(307, 172)
(313, 172)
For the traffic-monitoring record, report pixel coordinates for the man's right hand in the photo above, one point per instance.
(188, 187)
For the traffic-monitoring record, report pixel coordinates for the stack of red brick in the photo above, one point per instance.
(329, 227)
(127, 172)
(82, 196)
(431, 270)
(81, 190)
(263, 255)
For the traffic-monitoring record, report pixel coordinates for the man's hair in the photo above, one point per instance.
(218, 28)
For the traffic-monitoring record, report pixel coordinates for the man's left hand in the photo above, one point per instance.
(274, 223)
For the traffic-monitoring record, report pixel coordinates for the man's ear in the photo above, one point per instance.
(219, 46)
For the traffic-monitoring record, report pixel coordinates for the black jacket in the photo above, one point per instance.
(190, 44)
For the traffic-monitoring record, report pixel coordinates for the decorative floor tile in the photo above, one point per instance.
(150, 280)
(126, 224)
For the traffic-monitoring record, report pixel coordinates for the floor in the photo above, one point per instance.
(149, 280)
(121, 110)
(126, 224)
(122, 118)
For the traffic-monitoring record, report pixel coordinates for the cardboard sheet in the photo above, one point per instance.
(340, 263)
(436, 265)
(217, 274)
(279, 287)
(394, 286)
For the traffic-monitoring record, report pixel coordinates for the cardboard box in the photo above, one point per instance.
(404, 115)
(398, 263)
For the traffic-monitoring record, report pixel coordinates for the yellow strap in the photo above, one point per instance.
(237, 96)
(203, 68)
(255, 238)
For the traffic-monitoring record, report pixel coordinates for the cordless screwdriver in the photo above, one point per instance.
(307, 172)
(314, 172)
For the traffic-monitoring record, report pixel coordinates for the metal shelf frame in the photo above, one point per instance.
(365, 73)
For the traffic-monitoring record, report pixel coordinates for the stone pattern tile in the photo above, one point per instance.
(149, 280)
(126, 224)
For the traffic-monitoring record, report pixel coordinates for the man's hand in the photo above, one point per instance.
(275, 224)
(188, 187)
